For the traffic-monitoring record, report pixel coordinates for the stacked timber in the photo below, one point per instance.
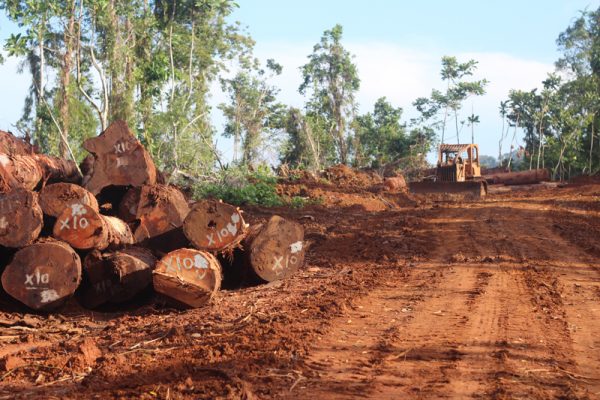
(148, 238)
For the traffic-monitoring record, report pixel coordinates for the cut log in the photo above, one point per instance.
(58, 169)
(159, 214)
(27, 171)
(43, 275)
(191, 277)
(128, 206)
(215, 226)
(116, 277)
(12, 145)
(119, 160)
(21, 218)
(19, 172)
(276, 249)
(85, 228)
(58, 196)
(519, 177)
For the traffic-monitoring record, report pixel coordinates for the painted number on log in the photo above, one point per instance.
(35, 281)
(282, 263)
(78, 221)
(122, 146)
(199, 263)
(230, 229)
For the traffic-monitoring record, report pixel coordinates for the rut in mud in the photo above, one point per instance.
(498, 298)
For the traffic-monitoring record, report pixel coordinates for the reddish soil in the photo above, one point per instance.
(399, 299)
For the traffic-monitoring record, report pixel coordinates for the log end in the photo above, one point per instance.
(43, 275)
(21, 218)
(189, 276)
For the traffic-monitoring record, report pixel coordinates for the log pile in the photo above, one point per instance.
(61, 243)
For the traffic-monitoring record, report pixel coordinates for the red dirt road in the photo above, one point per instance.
(498, 298)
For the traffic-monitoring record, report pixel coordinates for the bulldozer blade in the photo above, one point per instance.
(476, 188)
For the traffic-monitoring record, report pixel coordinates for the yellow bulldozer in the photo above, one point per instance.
(458, 171)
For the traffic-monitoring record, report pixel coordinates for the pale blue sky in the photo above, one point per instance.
(398, 46)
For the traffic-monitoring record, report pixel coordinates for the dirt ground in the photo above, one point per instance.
(400, 298)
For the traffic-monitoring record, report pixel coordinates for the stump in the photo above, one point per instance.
(275, 250)
(43, 275)
(58, 196)
(189, 276)
(85, 228)
(215, 226)
(21, 218)
(116, 277)
(119, 160)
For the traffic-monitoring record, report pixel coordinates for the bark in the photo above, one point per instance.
(116, 277)
(21, 218)
(119, 160)
(214, 226)
(275, 250)
(27, 171)
(188, 276)
(86, 229)
(43, 275)
(12, 145)
(519, 177)
(58, 196)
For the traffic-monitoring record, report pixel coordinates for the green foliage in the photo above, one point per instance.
(380, 137)
(451, 101)
(252, 112)
(332, 80)
(239, 186)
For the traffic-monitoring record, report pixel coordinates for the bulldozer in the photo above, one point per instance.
(458, 171)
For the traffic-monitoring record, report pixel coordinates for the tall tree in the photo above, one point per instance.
(252, 111)
(331, 77)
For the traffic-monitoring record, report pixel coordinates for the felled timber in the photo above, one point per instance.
(21, 218)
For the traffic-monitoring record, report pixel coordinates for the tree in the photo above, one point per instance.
(380, 137)
(457, 91)
(332, 79)
(252, 110)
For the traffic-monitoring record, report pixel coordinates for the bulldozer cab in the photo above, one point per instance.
(458, 162)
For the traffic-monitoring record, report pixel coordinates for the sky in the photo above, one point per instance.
(397, 47)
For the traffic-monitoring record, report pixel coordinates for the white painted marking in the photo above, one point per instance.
(77, 209)
(232, 228)
(3, 223)
(200, 262)
(235, 218)
(296, 247)
(210, 239)
(49, 295)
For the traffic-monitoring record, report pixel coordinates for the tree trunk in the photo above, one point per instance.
(116, 277)
(43, 275)
(214, 226)
(119, 160)
(519, 178)
(86, 229)
(191, 277)
(27, 171)
(58, 196)
(21, 218)
(276, 249)
(159, 211)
